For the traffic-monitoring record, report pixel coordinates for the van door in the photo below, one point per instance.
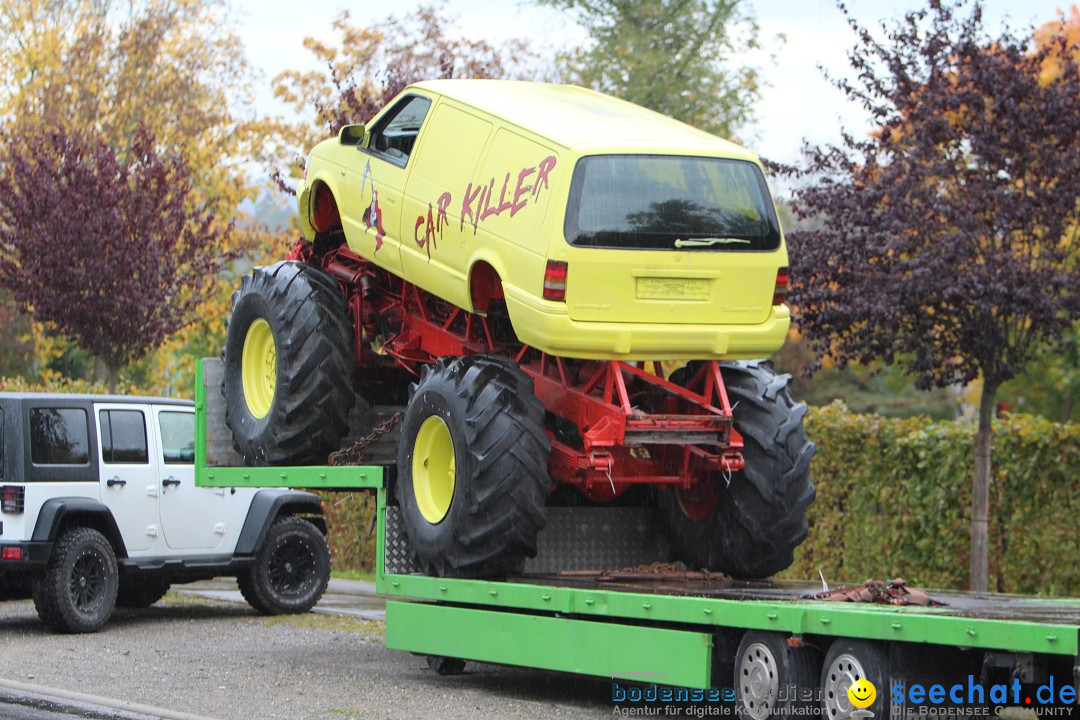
(376, 181)
(129, 479)
(191, 517)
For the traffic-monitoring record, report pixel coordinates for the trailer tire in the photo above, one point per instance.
(849, 660)
(472, 467)
(766, 664)
(288, 366)
(755, 522)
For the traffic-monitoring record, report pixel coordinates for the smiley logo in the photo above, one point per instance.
(862, 693)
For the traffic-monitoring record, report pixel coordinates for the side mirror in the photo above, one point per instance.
(353, 134)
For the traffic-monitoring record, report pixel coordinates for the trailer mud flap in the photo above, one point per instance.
(626, 652)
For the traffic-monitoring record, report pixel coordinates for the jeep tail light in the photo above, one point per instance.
(555, 280)
(11, 552)
(780, 293)
(12, 498)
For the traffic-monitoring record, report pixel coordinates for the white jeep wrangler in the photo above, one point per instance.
(98, 507)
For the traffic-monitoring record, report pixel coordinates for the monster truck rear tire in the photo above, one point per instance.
(472, 467)
(750, 527)
(288, 366)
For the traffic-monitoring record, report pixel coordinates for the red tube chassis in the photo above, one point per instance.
(612, 424)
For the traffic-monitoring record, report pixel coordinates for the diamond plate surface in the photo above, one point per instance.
(400, 558)
(598, 538)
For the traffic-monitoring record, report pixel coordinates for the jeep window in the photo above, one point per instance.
(177, 437)
(393, 138)
(123, 437)
(58, 436)
(648, 202)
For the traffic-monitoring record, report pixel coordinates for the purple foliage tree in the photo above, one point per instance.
(112, 248)
(948, 238)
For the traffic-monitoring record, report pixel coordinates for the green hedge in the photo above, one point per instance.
(352, 535)
(894, 498)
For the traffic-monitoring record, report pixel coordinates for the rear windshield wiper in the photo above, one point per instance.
(709, 242)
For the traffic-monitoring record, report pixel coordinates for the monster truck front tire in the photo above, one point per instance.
(288, 366)
(472, 467)
(748, 527)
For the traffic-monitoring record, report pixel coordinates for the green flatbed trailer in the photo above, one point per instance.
(699, 633)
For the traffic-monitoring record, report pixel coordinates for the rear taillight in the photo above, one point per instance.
(11, 552)
(780, 292)
(12, 498)
(555, 280)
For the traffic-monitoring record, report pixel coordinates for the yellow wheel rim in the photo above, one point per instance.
(433, 469)
(258, 368)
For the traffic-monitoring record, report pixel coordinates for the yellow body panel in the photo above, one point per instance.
(487, 178)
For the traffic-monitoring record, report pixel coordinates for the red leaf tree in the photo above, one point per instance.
(948, 239)
(114, 249)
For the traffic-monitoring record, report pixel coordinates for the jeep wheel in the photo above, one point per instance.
(290, 571)
(78, 589)
(472, 467)
(288, 366)
(750, 527)
(140, 592)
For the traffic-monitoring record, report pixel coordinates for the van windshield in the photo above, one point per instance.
(666, 202)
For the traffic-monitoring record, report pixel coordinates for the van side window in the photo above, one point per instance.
(395, 135)
(177, 437)
(58, 436)
(123, 437)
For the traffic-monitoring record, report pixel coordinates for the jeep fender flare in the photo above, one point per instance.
(55, 512)
(267, 506)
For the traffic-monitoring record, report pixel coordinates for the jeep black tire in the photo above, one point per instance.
(77, 591)
(291, 569)
(137, 592)
(472, 467)
(288, 366)
(751, 527)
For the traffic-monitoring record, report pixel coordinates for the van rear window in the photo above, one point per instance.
(668, 202)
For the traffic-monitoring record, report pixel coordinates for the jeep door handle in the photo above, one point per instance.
(170, 481)
(115, 481)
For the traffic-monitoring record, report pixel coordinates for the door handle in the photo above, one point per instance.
(115, 481)
(170, 481)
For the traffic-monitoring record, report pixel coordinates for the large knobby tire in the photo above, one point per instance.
(78, 589)
(288, 366)
(750, 527)
(137, 592)
(291, 569)
(472, 467)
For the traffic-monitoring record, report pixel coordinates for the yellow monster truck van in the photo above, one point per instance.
(504, 259)
(613, 231)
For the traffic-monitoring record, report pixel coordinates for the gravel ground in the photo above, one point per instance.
(221, 660)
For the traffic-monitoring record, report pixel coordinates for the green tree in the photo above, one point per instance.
(677, 57)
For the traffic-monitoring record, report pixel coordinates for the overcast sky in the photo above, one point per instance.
(797, 103)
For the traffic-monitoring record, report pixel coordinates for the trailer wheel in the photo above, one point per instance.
(446, 665)
(472, 467)
(288, 366)
(766, 665)
(750, 527)
(846, 662)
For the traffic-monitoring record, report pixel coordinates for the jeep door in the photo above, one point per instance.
(376, 181)
(192, 518)
(129, 478)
